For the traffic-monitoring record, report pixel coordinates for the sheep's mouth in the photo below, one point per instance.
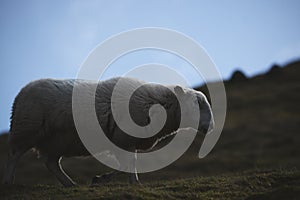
(206, 130)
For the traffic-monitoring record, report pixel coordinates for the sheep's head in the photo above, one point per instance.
(196, 101)
(206, 123)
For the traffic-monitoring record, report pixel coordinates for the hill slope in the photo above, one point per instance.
(261, 132)
(250, 185)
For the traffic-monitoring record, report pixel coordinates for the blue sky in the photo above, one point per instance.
(52, 38)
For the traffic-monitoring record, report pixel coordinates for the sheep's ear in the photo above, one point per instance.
(178, 90)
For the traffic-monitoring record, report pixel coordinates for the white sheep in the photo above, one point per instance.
(42, 119)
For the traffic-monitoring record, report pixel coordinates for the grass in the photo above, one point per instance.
(274, 184)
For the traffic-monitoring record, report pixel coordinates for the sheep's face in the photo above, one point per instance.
(206, 123)
(196, 101)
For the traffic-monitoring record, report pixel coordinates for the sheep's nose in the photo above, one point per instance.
(211, 126)
(208, 127)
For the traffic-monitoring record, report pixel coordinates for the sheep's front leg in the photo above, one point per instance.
(124, 164)
(133, 177)
(53, 164)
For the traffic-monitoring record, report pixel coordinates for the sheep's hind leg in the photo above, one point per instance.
(53, 164)
(10, 167)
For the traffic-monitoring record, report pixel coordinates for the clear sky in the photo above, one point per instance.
(52, 38)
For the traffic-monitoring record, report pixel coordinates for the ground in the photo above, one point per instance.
(274, 184)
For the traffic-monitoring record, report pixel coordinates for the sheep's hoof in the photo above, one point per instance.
(70, 183)
(100, 180)
(135, 182)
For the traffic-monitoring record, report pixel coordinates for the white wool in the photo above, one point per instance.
(44, 108)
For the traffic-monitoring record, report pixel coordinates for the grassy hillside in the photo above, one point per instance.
(261, 133)
(249, 185)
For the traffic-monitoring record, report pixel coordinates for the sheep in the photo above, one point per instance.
(42, 119)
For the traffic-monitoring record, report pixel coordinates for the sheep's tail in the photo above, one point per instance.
(20, 137)
(21, 140)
